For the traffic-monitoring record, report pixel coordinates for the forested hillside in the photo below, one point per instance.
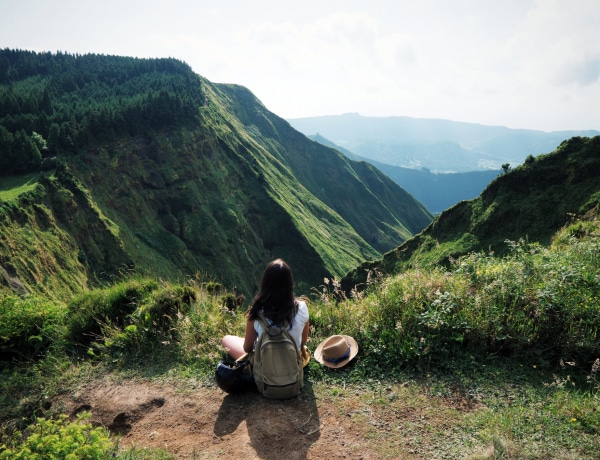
(52, 104)
(148, 167)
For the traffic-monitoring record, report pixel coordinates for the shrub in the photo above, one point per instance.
(422, 314)
(164, 305)
(28, 326)
(60, 439)
(153, 323)
(112, 305)
(533, 302)
(199, 333)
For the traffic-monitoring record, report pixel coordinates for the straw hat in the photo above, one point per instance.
(336, 351)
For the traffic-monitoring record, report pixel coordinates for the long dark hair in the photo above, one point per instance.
(276, 296)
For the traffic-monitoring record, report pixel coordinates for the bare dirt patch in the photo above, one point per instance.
(208, 423)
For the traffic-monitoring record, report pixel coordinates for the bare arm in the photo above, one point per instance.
(305, 334)
(250, 336)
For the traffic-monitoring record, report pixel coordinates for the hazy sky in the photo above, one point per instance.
(517, 63)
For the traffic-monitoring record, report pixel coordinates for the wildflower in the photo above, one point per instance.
(573, 420)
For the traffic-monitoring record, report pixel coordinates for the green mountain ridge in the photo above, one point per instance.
(531, 202)
(137, 180)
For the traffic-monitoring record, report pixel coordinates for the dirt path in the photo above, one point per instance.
(205, 423)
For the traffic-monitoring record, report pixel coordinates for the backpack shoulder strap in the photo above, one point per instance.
(262, 321)
(266, 324)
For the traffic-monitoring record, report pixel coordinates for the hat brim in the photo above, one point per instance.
(318, 354)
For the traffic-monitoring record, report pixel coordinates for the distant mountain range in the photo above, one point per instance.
(439, 162)
(437, 145)
(437, 191)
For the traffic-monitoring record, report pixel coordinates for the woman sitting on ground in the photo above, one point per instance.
(277, 303)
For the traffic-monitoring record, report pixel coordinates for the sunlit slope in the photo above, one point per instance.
(530, 202)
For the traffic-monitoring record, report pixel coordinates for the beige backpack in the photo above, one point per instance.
(277, 363)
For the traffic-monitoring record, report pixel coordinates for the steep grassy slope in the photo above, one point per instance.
(216, 195)
(531, 202)
(53, 238)
(378, 209)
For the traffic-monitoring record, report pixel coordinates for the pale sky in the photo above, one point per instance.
(519, 63)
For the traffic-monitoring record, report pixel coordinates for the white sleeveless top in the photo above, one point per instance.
(297, 326)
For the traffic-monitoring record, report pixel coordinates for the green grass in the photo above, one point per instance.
(515, 336)
(28, 326)
(12, 187)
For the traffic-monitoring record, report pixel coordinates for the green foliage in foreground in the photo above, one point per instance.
(521, 329)
(60, 439)
(535, 301)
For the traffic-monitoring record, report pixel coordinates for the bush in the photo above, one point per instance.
(163, 307)
(28, 326)
(535, 301)
(60, 439)
(153, 324)
(89, 311)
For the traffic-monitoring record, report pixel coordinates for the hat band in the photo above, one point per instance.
(339, 359)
